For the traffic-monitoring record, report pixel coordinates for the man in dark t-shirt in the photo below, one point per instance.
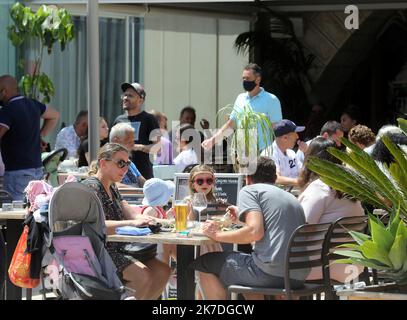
(145, 142)
(20, 135)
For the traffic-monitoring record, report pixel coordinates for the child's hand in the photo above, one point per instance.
(171, 213)
(232, 212)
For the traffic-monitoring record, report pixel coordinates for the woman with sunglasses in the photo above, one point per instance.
(149, 277)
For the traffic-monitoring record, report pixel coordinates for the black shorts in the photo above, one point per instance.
(237, 268)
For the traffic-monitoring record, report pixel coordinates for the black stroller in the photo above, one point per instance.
(76, 264)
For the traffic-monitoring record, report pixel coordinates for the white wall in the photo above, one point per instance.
(190, 60)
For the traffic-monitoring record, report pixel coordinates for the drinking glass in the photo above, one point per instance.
(181, 214)
(199, 203)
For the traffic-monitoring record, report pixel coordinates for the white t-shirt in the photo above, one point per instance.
(184, 159)
(288, 164)
(320, 204)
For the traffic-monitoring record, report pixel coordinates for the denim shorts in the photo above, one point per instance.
(237, 268)
(16, 181)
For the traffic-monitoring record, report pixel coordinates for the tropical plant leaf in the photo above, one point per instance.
(45, 27)
(345, 261)
(398, 254)
(370, 264)
(353, 246)
(350, 253)
(402, 124)
(359, 237)
(345, 180)
(398, 155)
(394, 222)
(380, 236)
(373, 250)
(365, 166)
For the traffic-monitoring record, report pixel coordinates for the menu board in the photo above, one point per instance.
(227, 186)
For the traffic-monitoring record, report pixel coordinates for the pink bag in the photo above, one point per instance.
(76, 253)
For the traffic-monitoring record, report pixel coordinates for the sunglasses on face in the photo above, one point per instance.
(200, 181)
(122, 163)
(130, 95)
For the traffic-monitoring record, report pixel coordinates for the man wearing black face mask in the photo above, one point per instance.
(256, 97)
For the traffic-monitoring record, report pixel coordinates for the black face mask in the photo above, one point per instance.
(249, 85)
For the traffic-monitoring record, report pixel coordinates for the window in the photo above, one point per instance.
(68, 69)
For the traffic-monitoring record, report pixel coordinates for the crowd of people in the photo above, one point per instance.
(266, 212)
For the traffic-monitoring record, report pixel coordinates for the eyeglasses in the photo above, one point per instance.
(130, 95)
(127, 95)
(200, 181)
(121, 163)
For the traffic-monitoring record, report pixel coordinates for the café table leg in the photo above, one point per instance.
(185, 275)
(14, 230)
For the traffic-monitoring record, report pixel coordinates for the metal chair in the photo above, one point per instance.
(306, 249)
(5, 197)
(338, 235)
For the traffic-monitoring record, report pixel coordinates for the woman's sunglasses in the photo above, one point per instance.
(121, 163)
(201, 181)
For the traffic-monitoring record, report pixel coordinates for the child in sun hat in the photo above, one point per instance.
(157, 193)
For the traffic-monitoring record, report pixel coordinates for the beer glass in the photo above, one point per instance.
(181, 214)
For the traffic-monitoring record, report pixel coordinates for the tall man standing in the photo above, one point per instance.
(20, 135)
(143, 123)
(255, 96)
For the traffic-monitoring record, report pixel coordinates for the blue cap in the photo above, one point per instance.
(286, 126)
(157, 192)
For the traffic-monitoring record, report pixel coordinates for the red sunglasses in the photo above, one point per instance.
(200, 181)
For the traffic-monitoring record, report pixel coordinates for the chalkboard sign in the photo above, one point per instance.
(227, 186)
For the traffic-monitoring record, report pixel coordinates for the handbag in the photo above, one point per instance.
(140, 251)
(19, 270)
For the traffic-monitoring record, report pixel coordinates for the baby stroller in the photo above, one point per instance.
(76, 264)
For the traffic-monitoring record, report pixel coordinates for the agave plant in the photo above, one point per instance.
(246, 138)
(386, 248)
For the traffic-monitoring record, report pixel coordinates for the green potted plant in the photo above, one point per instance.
(245, 140)
(385, 249)
(45, 27)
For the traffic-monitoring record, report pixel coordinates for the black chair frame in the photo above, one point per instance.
(306, 249)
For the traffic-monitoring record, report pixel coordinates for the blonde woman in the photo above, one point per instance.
(147, 278)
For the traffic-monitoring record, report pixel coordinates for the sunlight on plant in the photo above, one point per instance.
(386, 248)
(245, 140)
(46, 26)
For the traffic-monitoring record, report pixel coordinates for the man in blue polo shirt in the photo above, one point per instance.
(257, 98)
(20, 135)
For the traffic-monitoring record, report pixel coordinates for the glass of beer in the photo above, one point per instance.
(181, 214)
